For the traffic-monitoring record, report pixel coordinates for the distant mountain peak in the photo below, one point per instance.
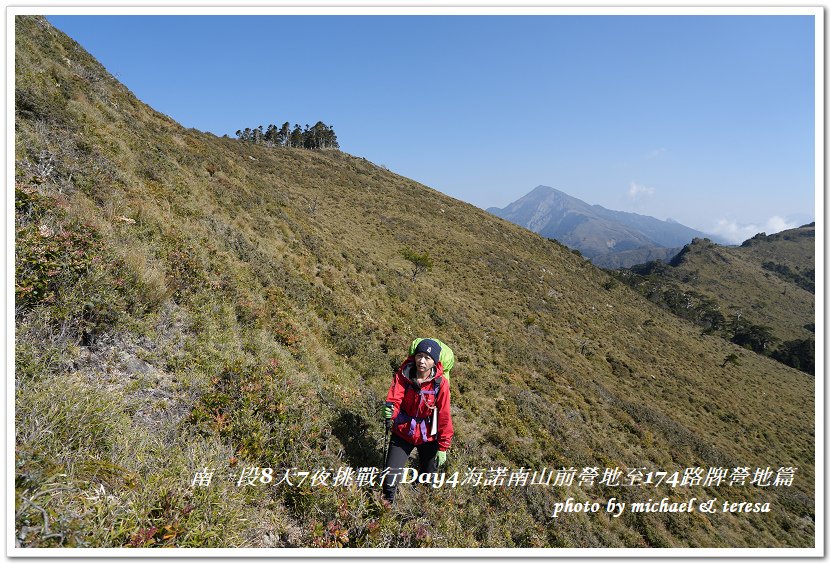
(589, 228)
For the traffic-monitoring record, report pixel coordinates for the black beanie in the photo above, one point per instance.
(429, 347)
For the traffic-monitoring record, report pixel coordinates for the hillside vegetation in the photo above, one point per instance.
(186, 302)
(759, 295)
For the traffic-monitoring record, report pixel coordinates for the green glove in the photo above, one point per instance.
(442, 458)
(387, 411)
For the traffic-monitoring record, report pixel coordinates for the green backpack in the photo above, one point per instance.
(447, 358)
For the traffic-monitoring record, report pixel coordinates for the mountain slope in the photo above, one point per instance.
(608, 238)
(760, 294)
(784, 302)
(190, 308)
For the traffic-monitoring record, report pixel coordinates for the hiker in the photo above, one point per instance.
(418, 409)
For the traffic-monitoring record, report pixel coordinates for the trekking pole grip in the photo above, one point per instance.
(388, 421)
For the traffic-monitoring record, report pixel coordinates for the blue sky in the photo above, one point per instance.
(709, 120)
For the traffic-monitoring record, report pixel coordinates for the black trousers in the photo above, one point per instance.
(397, 457)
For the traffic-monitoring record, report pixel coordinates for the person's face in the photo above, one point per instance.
(423, 363)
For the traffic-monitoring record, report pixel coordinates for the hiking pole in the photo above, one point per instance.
(387, 422)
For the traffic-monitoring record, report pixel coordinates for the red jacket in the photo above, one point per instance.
(412, 407)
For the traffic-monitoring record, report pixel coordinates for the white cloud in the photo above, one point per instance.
(655, 153)
(736, 232)
(636, 191)
(777, 224)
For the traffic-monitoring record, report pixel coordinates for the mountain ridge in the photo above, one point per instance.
(606, 237)
(766, 303)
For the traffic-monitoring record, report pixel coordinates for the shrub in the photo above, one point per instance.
(63, 270)
(49, 254)
(420, 262)
(258, 412)
(755, 337)
(799, 354)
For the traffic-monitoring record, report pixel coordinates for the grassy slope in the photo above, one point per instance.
(734, 277)
(792, 307)
(254, 309)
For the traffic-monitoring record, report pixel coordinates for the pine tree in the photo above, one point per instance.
(283, 134)
(296, 137)
(271, 135)
(321, 136)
